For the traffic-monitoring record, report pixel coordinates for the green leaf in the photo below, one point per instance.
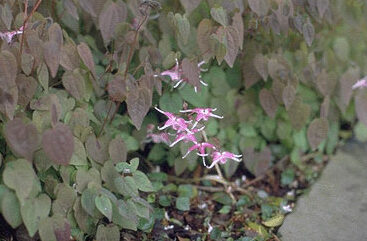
(186, 190)
(125, 167)
(225, 209)
(108, 233)
(222, 197)
(54, 228)
(165, 200)
(258, 228)
(124, 216)
(287, 177)
(104, 205)
(219, 15)
(88, 201)
(126, 186)
(142, 207)
(10, 209)
(171, 102)
(19, 176)
(183, 203)
(183, 27)
(274, 221)
(79, 157)
(142, 182)
(33, 211)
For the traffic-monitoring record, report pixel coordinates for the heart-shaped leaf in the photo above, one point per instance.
(22, 138)
(117, 149)
(112, 14)
(317, 132)
(33, 211)
(104, 205)
(108, 233)
(138, 104)
(58, 144)
(74, 83)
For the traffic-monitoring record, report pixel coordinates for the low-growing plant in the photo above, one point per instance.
(79, 78)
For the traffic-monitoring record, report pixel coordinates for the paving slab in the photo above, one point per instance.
(335, 209)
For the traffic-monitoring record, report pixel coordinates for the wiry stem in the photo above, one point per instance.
(27, 17)
(128, 62)
(221, 179)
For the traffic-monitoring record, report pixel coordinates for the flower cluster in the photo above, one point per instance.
(8, 36)
(176, 75)
(186, 130)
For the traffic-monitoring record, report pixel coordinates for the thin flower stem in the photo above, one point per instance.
(228, 188)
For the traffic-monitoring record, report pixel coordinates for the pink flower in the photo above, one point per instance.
(362, 83)
(176, 74)
(222, 157)
(178, 124)
(8, 36)
(201, 150)
(187, 136)
(202, 114)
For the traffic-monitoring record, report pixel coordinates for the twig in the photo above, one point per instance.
(217, 179)
(26, 20)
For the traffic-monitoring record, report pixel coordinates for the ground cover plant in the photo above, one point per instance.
(171, 119)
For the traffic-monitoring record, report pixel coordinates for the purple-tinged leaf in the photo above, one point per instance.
(58, 144)
(117, 89)
(138, 104)
(299, 113)
(308, 32)
(289, 95)
(232, 44)
(190, 5)
(22, 138)
(204, 31)
(361, 106)
(51, 51)
(111, 15)
(26, 89)
(74, 83)
(97, 149)
(117, 150)
(325, 106)
(87, 57)
(322, 6)
(237, 23)
(317, 132)
(55, 35)
(191, 72)
(27, 63)
(261, 65)
(261, 8)
(69, 58)
(268, 102)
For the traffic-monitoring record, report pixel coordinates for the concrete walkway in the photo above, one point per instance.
(336, 207)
